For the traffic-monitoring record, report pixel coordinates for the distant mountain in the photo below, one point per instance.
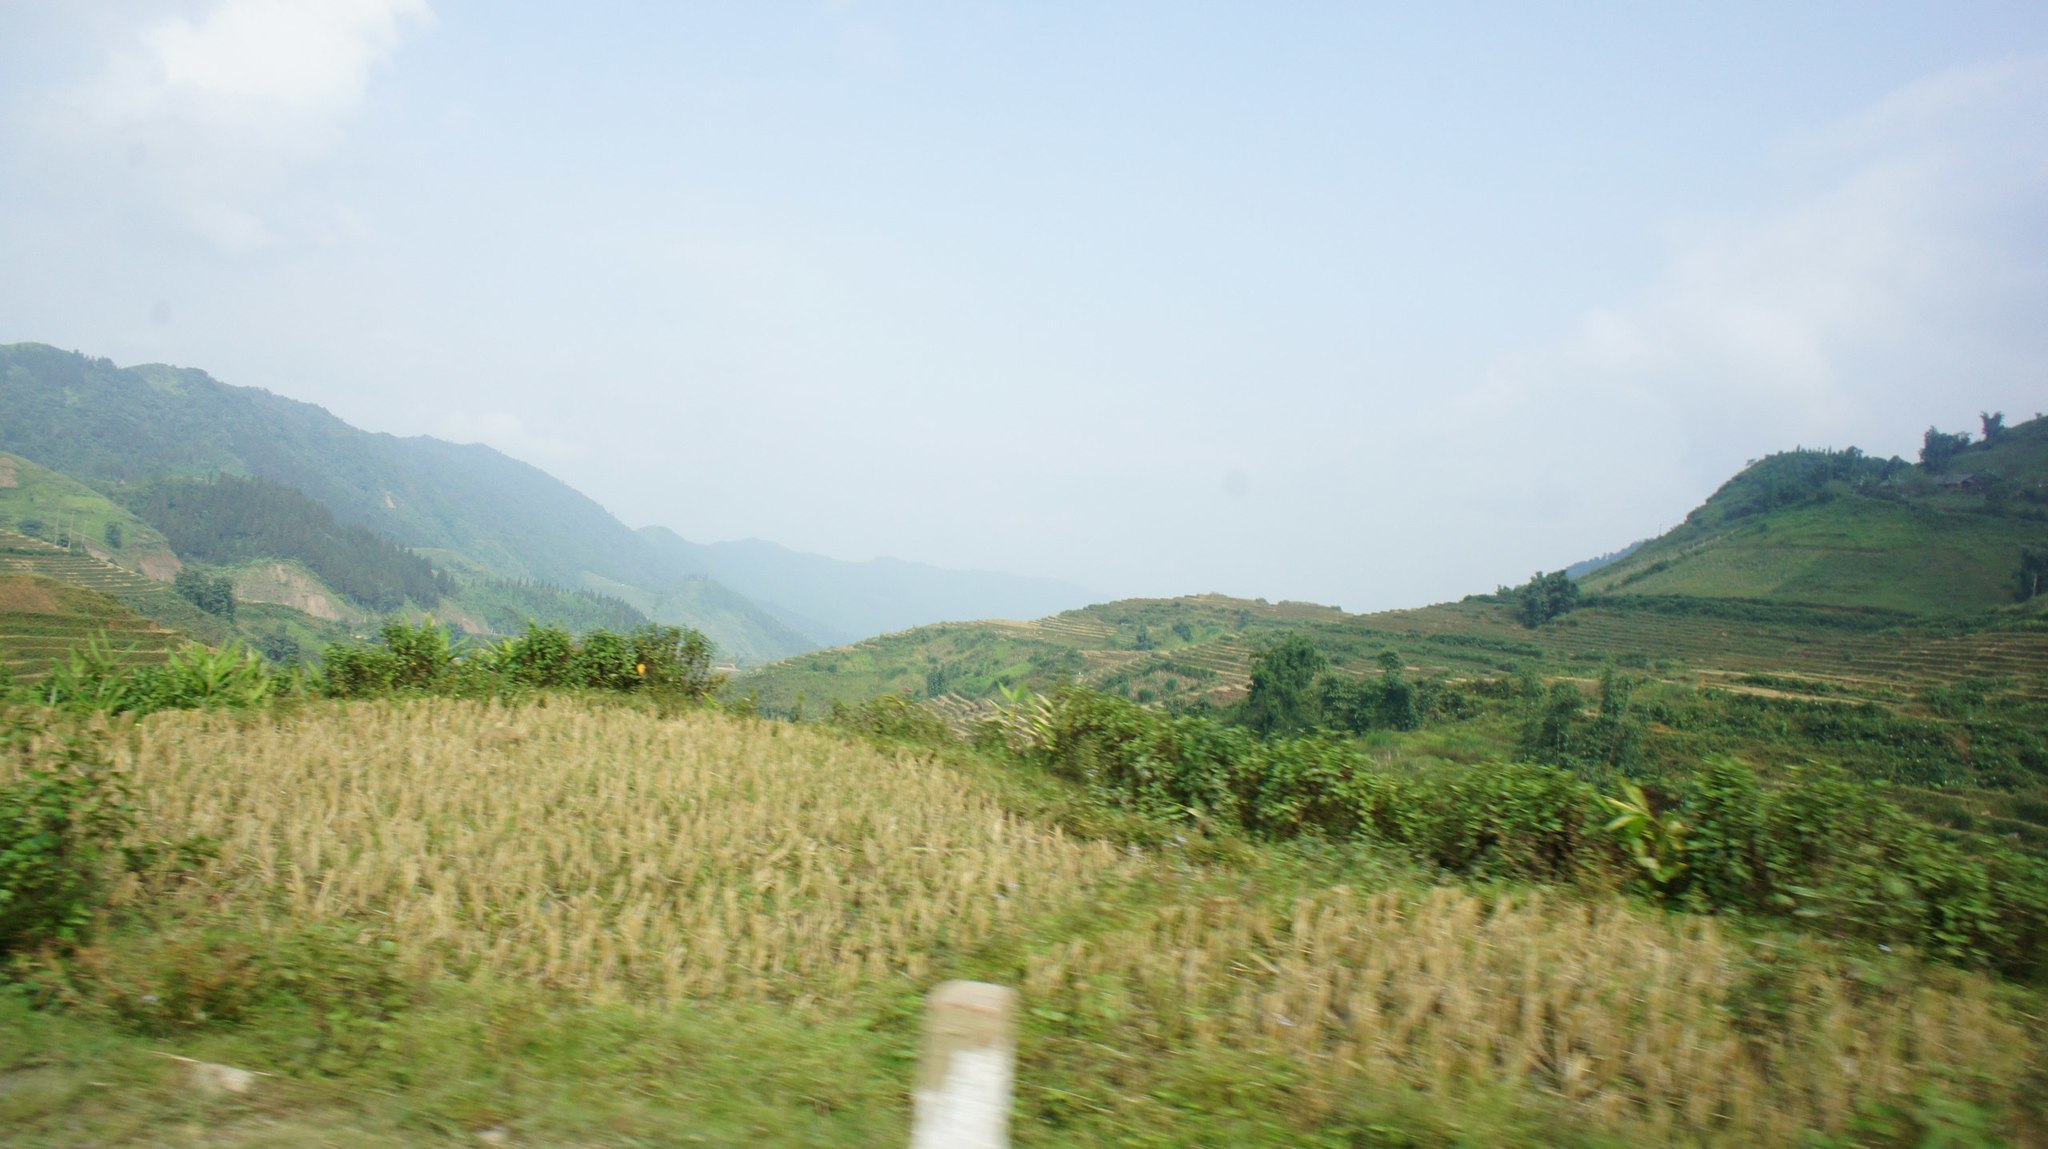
(839, 601)
(1584, 567)
(1844, 529)
(102, 423)
(470, 510)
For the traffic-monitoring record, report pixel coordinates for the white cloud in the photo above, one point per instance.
(259, 65)
(1840, 315)
(218, 105)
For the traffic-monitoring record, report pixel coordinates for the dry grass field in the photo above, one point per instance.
(606, 858)
(608, 853)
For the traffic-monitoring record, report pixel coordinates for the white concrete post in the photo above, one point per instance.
(963, 1079)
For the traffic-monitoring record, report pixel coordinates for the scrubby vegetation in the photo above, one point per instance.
(446, 915)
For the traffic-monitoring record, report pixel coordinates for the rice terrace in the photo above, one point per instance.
(1044, 576)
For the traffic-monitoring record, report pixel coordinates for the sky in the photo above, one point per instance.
(1370, 305)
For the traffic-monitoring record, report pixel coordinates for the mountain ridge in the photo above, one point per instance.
(468, 508)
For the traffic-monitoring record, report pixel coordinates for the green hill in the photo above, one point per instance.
(503, 518)
(746, 633)
(105, 424)
(56, 508)
(505, 606)
(1839, 528)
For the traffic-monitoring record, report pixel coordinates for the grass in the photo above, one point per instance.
(607, 928)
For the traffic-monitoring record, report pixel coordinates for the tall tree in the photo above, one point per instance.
(1544, 597)
(1282, 699)
(1937, 448)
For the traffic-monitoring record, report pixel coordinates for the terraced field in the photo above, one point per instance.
(42, 621)
(1890, 658)
(1161, 650)
(22, 555)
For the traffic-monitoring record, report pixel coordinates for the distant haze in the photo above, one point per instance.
(1370, 305)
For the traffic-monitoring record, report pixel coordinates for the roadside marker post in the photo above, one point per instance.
(968, 1063)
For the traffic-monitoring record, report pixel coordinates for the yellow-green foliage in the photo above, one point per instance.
(603, 855)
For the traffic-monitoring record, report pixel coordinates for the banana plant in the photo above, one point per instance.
(1657, 842)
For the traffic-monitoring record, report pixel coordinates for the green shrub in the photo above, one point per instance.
(1829, 848)
(197, 677)
(96, 677)
(1822, 847)
(544, 656)
(337, 987)
(422, 653)
(62, 815)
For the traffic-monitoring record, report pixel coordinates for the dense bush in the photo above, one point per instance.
(664, 661)
(1821, 846)
(891, 716)
(95, 677)
(1825, 846)
(62, 815)
(1543, 597)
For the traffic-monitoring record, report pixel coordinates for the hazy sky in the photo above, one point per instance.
(1370, 304)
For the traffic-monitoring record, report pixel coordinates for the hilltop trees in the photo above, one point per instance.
(1544, 597)
(1937, 448)
(1994, 425)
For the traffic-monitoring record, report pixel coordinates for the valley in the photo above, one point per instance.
(500, 824)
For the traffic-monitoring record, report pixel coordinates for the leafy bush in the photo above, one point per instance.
(196, 677)
(62, 815)
(348, 670)
(1823, 847)
(1830, 848)
(96, 677)
(165, 978)
(1502, 819)
(542, 657)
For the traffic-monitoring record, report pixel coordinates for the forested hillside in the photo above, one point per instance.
(230, 520)
(102, 423)
(505, 606)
